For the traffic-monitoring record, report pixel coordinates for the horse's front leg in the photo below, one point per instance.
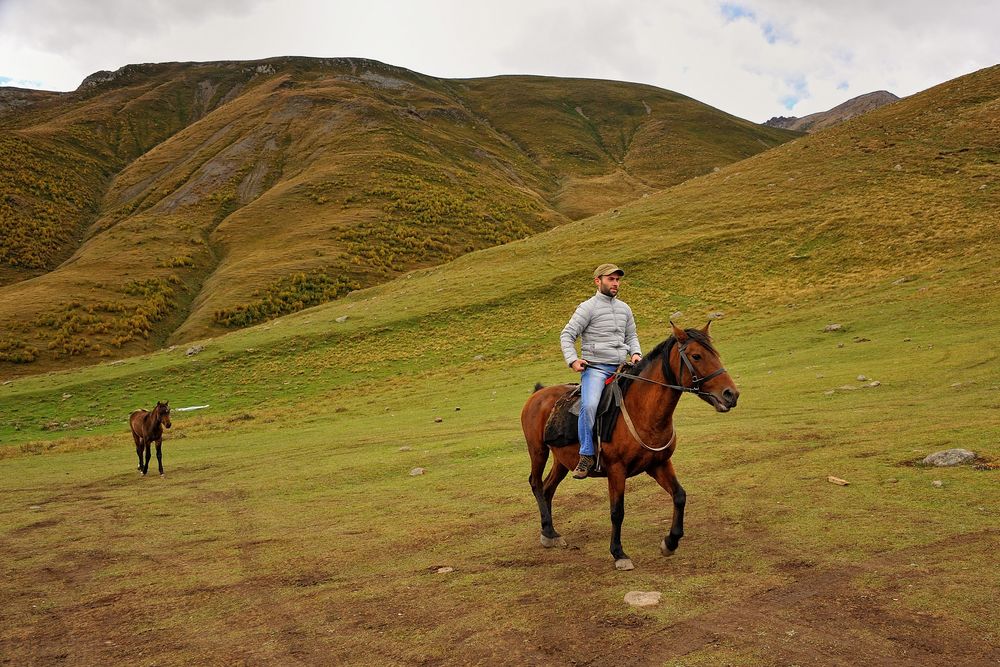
(616, 494)
(666, 477)
(159, 455)
(145, 466)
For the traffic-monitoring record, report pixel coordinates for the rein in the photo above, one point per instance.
(695, 380)
(695, 389)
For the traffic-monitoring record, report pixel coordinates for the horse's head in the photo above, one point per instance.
(697, 365)
(163, 413)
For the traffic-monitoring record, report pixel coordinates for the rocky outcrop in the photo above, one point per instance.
(838, 114)
(19, 98)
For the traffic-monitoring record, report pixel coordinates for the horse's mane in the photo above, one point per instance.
(663, 348)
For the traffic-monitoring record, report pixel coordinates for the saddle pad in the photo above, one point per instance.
(561, 426)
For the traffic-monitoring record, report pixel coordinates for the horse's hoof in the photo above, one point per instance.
(665, 550)
(549, 542)
(624, 564)
(162, 475)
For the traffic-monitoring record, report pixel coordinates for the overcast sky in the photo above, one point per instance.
(752, 58)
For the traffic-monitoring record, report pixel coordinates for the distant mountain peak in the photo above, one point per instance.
(838, 114)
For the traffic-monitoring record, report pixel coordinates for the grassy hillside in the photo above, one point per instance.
(288, 528)
(196, 198)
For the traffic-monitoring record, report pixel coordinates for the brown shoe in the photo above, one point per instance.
(583, 467)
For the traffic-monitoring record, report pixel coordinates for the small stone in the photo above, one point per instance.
(950, 457)
(438, 420)
(458, 408)
(65, 396)
(34, 508)
(444, 570)
(859, 339)
(862, 378)
(417, 472)
(839, 345)
(194, 349)
(874, 383)
(892, 480)
(341, 319)
(8, 382)
(937, 484)
(406, 449)
(897, 167)
(833, 327)
(907, 340)
(829, 392)
(643, 598)
(716, 315)
(479, 357)
(837, 481)
(676, 315)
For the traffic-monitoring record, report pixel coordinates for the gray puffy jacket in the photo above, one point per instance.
(607, 329)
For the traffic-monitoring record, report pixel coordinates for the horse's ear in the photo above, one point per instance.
(679, 333)
(704, 329)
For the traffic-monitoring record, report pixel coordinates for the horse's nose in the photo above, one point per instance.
(731, 396)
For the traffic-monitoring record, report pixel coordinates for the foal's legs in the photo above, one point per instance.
(159, 455)
(544, 491)
(145, 466)
(667, 478)
(616, 494)
(138, 450)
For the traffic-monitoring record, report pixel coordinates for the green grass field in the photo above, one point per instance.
(288, 528)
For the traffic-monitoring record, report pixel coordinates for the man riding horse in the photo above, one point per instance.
(606, 328)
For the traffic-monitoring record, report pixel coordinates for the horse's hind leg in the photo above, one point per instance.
(138, 450)
(667, 478)
(556, 475)
(543, 494)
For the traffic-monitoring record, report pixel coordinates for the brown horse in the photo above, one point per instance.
(147, 427)
(685, 362)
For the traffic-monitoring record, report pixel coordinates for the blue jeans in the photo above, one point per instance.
(591, 386)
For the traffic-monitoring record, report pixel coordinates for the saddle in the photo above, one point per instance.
(561, 428)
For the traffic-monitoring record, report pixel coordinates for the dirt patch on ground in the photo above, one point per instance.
(822, 618)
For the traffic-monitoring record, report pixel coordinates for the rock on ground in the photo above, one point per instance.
(643, 598)
(950, 457)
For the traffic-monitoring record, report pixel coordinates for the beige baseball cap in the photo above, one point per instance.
(607, 270)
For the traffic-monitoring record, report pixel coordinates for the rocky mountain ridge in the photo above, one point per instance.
(838, 114)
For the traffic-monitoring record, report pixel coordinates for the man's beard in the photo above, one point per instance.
(606, 290)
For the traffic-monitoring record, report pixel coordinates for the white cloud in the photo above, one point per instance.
(748, 57)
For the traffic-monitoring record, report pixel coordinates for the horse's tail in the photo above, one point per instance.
(538, 385)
